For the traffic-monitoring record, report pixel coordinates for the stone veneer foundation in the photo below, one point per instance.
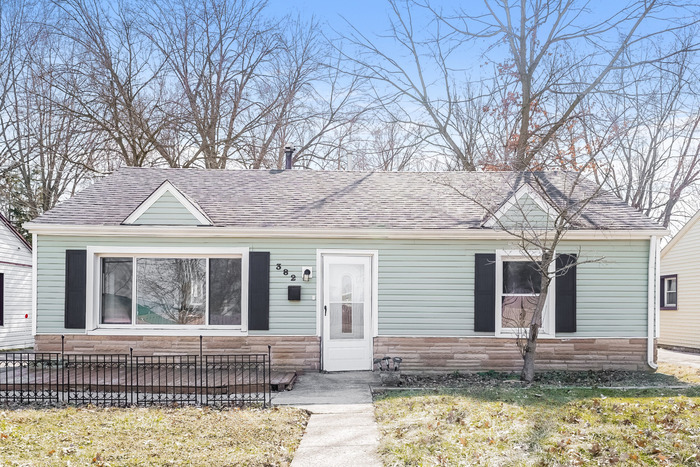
(438, 354)
(443, 354)
(288, 352)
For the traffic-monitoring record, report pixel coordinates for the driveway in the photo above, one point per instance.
(679, 358)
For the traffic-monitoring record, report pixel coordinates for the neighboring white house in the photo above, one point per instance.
(15, 288)
(680, 288)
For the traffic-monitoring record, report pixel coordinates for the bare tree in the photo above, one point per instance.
(14, 33)
(47, 151)
(408, 87)
(315, 102)
(537, 86)
(218, 52)
(537, 233)
(115, 79)
(655, 155)
(391, 148)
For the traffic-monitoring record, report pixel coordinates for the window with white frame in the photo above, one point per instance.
(518, 288)
(669, 295)
(170, 290)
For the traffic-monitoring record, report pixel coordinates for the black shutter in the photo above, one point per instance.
(565, 303)
(662, 291)
(259, 291)
(485, 292)
(2, 299)
(76, 288)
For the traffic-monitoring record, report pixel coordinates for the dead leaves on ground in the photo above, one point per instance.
(578, 428)
(155, 436)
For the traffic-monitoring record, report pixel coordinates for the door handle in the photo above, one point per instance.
(325, 310)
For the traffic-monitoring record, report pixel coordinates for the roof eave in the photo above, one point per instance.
(681, 233)
(16, 232)
(209, 231)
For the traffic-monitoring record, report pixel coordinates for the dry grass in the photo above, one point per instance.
(135, 436)
(537, 426)
(682, 373)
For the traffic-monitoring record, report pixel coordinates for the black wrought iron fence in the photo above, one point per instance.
(97, 379)
(30, 377)
(126, 379)
(172, 380)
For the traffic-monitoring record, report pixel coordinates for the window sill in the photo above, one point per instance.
(149, 331)
(672, 308)
(511, 335)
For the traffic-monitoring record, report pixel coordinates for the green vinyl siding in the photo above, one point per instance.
(425, 286)
(167, 210)
(525, 213)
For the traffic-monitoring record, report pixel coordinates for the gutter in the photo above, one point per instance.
(652, 300)
(277, 232)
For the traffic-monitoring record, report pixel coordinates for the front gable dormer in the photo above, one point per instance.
(524, 209)
(168, 206)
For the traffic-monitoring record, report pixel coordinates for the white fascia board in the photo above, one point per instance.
(686, 228)
(514, 201)
(168, 187)
(237, 232)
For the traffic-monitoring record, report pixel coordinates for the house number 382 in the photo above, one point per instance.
(278, 266)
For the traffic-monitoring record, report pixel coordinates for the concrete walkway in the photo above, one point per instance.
(342, 430)
(679, 358)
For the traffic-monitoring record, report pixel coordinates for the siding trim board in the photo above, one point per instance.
(9, 263)
(325, 234)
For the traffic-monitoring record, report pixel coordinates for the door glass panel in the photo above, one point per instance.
(347, 320)
(346, 300)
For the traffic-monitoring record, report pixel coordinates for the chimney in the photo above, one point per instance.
(288, 151)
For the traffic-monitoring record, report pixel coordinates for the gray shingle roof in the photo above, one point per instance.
(326, 199)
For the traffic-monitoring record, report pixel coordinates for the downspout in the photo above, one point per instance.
(652, 301)
(35, 275)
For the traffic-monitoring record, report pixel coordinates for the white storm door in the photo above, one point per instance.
(347, 313)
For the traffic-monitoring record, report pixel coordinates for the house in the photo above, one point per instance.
(15, 288)
(333, 269)
(680, 289)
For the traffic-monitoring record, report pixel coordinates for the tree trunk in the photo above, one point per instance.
(528, 373)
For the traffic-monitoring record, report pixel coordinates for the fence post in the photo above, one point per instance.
(201, 373)
(63, 367)
(130, 379)
(269, 374)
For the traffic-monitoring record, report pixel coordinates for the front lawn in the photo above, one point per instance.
(154, 436)
(537, 425)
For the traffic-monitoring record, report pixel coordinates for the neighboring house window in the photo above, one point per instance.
(165, 291)
(517, 293)
(669, 292)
